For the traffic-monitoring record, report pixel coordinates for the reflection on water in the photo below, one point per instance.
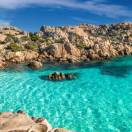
(16, 68)
(94, 64)
(117, 71)
(118, 67)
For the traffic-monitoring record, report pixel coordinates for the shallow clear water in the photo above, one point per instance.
(99, 100)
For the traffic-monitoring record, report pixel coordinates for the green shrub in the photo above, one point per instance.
(33, 37)
(15, 39)
(47, 41)
(32, 46)
(12, 38)
(81, 46)
(41, 40)
(59, 40)
(24, 38)
(15, 47)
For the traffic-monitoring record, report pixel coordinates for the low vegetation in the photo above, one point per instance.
(81, 46)
(33, 37)
(32, 46)
(12, 38)
(15, 47)
(24, 38)
(60, 40)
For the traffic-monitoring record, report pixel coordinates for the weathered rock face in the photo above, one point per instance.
(10, 30)
(63, 51)
(21, 56)
(20, 122)
(106, 51)
(72, 50)
(35, 65)
(3, 64)
(93, 42)
(66, 44)
(56, 50)
(2, 37)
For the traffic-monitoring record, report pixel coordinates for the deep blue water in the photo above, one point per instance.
(99, 100)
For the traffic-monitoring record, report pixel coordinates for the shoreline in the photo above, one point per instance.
(69, 44)
(56, 63)
(21, 122)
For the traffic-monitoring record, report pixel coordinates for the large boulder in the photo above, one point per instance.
(21, 56)
(56, 50)
(72, 50)
(57, 76)
(20, 122)
(63, 51)
(101, 51)
(35, 65)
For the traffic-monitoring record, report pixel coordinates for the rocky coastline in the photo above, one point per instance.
(21, 122)
(66, 44)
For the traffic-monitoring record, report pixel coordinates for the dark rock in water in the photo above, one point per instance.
(69, 76)
(35, 65)
(56, 76)
(20, 112)
(39, 120)
(61, 130)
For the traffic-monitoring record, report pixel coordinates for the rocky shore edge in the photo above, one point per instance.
(21, 122)
(65, 44)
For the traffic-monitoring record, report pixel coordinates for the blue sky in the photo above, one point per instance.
(31, 14)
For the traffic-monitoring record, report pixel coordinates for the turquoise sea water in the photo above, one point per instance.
(99, 100)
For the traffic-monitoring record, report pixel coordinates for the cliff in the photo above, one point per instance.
(65, 44)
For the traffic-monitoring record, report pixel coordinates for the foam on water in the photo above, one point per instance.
(99, 100)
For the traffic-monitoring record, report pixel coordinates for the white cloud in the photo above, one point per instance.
(4, 23)
(99, 7)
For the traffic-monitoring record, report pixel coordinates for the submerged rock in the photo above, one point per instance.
(35, 65)
(56, 76)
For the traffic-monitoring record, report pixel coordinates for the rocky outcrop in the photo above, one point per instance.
(3, 64)
(21, 56)
(35, 65)
(63, 50)
(66, 44)
(58, 76)
(2, 37)
(20, 122)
